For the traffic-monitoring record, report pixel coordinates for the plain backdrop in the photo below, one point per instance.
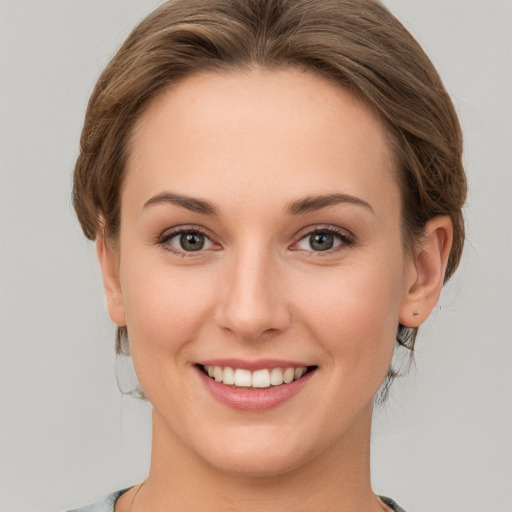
(442, 443)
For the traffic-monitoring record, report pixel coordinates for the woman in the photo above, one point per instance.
(275, 190)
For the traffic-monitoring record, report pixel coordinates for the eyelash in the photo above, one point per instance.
(345, 239)
(182, 230)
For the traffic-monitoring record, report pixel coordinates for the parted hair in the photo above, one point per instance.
(358, 44)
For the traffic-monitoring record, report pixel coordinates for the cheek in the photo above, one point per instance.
(164, 309)
(353, 313)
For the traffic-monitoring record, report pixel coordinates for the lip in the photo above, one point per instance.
(259, 364)
(253, 399)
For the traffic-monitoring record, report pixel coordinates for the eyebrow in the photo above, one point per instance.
(190, 203)
(297, 207)
(314, 203)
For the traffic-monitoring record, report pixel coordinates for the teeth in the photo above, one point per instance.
(229, 376)
(242, 377)
(257, 379)
(276, 376)
(261, 379)
(288, 375)
(218, 374)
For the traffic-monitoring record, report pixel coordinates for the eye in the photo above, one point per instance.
(323, 239)
(187, 240)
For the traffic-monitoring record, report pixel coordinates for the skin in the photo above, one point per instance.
(252, 144)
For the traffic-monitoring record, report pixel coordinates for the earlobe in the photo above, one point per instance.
(427, 273)
(108, 261)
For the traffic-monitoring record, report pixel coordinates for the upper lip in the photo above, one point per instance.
(253, 365)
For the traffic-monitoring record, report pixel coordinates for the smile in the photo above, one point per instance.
(254, 386)
(263, 378)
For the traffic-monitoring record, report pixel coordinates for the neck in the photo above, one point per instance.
(338, 479)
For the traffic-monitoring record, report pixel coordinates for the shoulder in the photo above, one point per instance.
(105, 505)
(392, 504)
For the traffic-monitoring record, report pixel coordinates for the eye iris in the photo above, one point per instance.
(192, 241)
(322, 241)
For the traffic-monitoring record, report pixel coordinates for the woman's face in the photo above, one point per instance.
(260, 230)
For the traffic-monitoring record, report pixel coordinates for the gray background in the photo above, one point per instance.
(443, 442)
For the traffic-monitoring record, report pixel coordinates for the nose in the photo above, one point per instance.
(253, 297)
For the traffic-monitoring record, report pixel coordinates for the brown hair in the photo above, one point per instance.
(357, 43)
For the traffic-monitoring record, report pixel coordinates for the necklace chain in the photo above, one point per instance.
(135, 495)
(381, 503)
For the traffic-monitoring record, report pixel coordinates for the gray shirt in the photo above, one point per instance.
(107, 504)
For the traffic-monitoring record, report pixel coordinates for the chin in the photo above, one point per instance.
(253, 453)
(264, 464)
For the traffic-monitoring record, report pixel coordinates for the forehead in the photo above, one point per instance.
(243, 130)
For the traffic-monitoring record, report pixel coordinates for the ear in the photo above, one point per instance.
(109, 264)
(427, 269)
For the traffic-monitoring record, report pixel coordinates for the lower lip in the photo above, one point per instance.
(254, 399)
